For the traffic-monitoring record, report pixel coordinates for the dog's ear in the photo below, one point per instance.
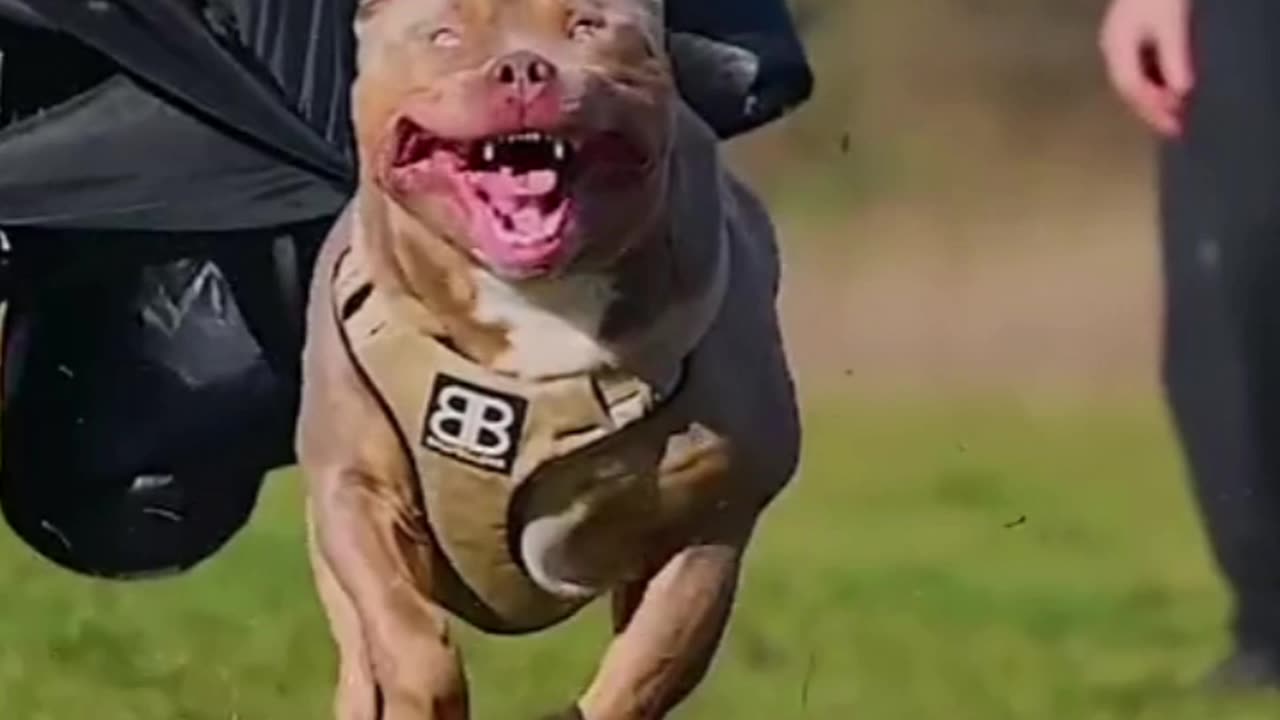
(366, 9)
(657, 10)
(647, 14)
(651, 15)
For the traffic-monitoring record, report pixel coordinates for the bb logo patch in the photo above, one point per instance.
(475, 425)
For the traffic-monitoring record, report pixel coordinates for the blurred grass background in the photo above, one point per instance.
(990, 521)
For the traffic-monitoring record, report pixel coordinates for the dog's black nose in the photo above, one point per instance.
(524, 71)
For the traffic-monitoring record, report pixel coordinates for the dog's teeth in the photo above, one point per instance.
(489, 152)
(559, 150)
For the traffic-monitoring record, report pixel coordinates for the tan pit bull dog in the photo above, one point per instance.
(543, 361)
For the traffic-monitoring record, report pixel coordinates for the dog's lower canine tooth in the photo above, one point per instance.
(489, 152)
(559, 150)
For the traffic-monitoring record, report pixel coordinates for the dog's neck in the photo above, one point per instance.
(643, 313)
(554, 327)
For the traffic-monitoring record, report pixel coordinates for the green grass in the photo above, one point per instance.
(884, 585)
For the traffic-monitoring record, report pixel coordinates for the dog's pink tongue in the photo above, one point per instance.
(504, 187)
(516, 219)
(530, 221)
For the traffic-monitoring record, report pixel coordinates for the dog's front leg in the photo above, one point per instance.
(668, 630)
(357, 696)
(366, 545)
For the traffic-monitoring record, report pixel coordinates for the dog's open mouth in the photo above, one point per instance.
(513, 187)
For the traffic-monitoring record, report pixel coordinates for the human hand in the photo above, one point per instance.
(1146, 45)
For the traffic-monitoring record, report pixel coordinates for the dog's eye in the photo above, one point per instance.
(445, 37)
(585, 28)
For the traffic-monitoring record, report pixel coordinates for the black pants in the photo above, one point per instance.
(1220, 211)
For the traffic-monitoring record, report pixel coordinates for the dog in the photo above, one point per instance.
(543, 360)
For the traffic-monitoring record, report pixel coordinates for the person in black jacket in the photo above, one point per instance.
(1206, 77)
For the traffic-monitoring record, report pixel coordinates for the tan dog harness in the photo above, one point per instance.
(493, 453)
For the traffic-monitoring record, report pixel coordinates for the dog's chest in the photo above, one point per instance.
(553, 328)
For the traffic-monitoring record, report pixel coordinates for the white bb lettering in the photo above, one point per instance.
(472, 421)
